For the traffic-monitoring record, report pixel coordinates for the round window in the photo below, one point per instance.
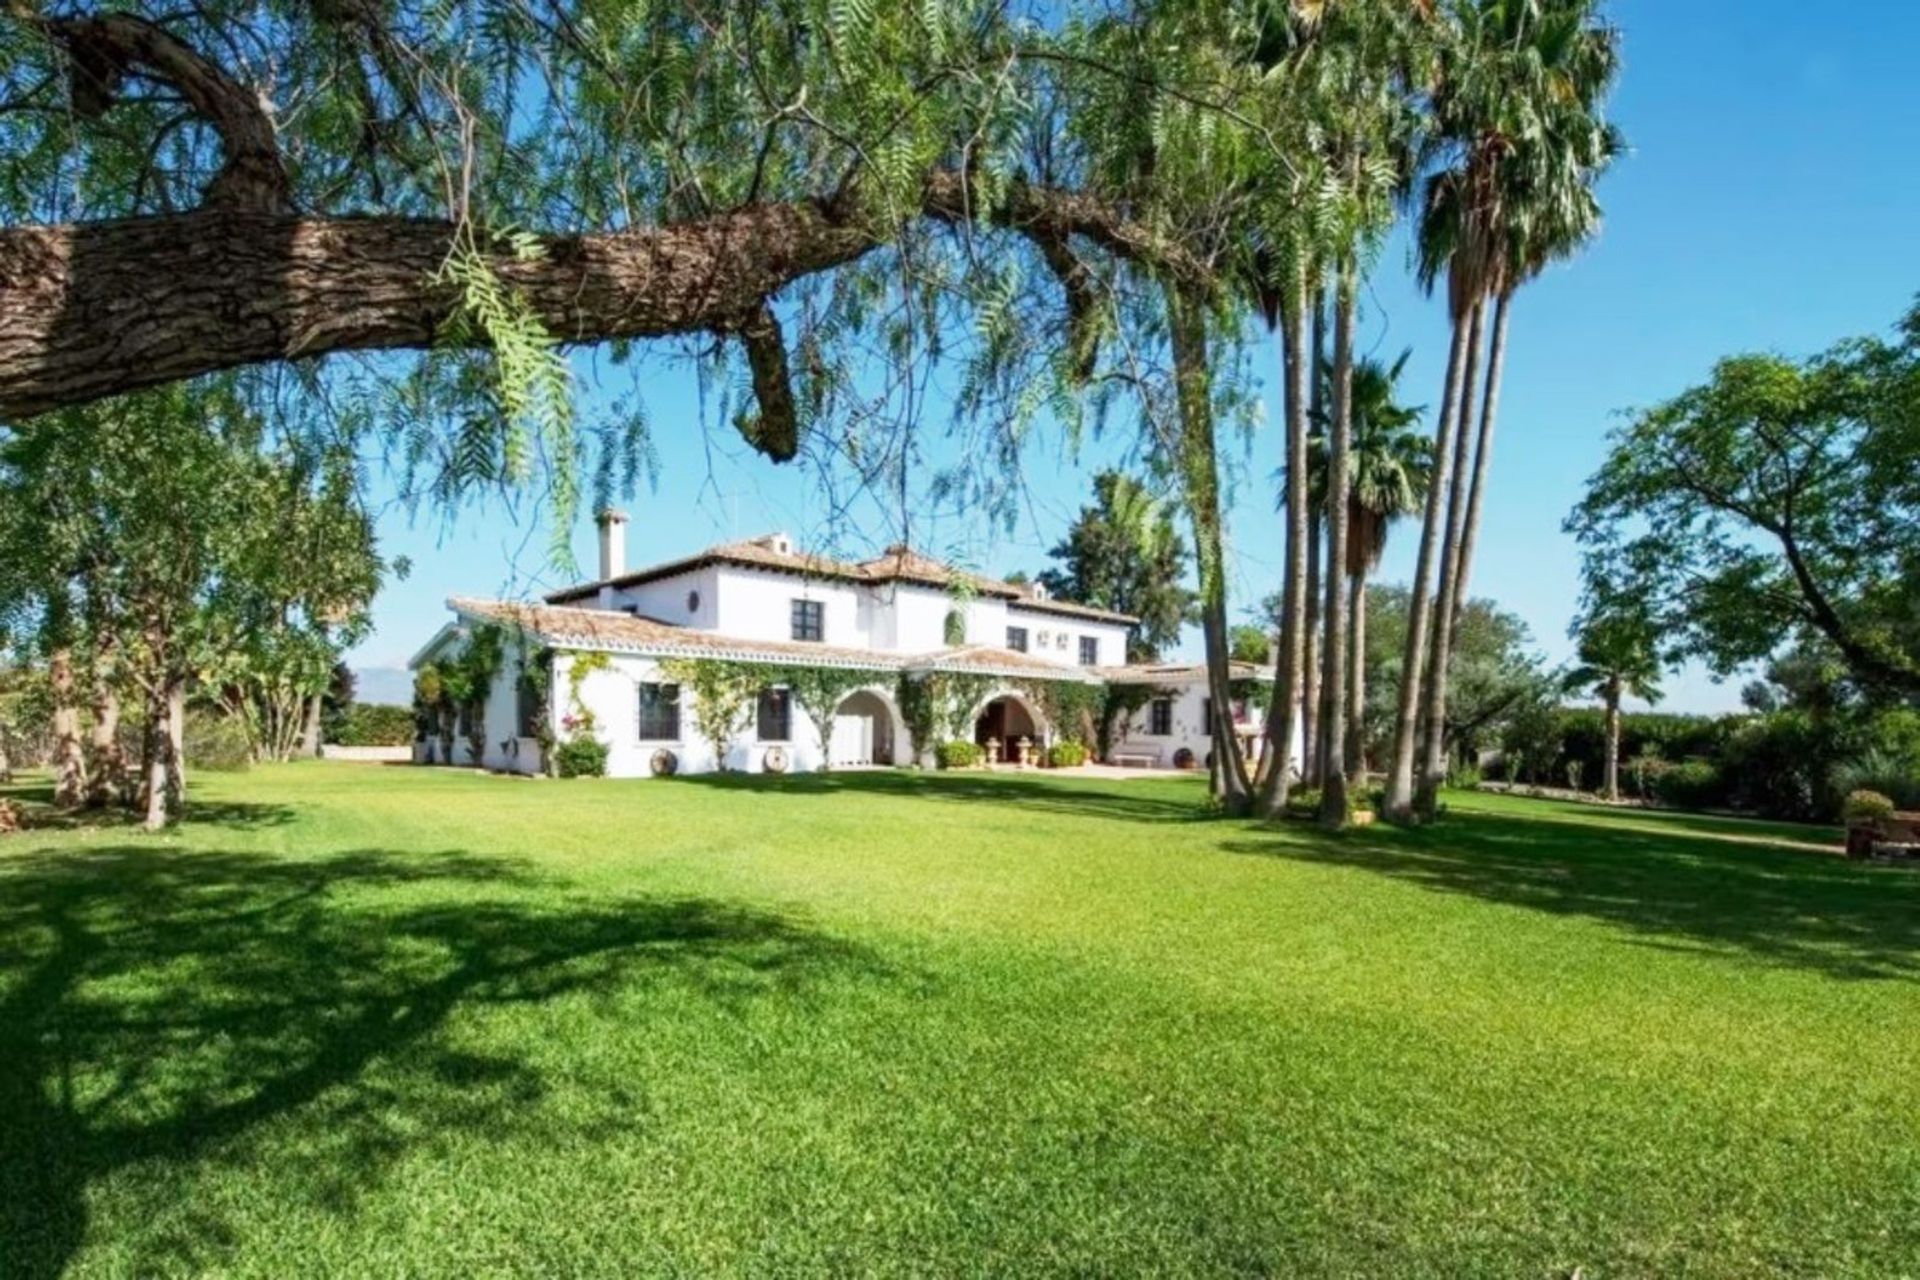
(693, 602)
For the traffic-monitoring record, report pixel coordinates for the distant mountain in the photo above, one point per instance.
(392, 685)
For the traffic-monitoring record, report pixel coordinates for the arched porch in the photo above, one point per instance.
(867, 730)
(1006, 718)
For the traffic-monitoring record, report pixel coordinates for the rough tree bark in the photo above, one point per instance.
(69, 766)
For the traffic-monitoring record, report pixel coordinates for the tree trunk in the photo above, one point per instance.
(1433, 772)
(1399, 798)
(69, 768)
(310, 728)
(1200, 468)
(1288, 706)
(1612, 782)
(1311, 713)
(1357, 677)
(1333, 795)
(1482, 454)
(165, 771)
(106, 777)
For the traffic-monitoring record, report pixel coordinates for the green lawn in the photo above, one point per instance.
(401, 1022)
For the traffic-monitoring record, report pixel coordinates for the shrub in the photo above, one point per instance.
(1867, 806)
(959, 754)
(580, 757)
(374, 724)
(1781, 766)
(215, 743)
(1883, 771)
(1465, 777)
(1066, 755)
(1692, 784)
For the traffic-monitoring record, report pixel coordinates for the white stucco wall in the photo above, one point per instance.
(757, 604)
(1189, 728)
(613, 696)
(667, 599)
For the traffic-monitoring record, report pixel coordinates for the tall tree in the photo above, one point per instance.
(1775, 501)
(1517, 95)
(1125, 553)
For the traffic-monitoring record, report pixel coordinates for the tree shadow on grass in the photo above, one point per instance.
(157, 1006)
(38, 812)
(1128, 801)
(1677, 890)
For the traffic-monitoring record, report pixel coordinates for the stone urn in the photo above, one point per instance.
(1026, 753)
(992, 757)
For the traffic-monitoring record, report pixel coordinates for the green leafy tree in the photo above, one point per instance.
(1124, 553)
(229, 562)
(1776, 501)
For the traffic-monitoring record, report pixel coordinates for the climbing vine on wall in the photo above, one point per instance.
(1072, 708)
(721, 692)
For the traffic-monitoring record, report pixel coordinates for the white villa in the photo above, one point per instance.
(971, 658)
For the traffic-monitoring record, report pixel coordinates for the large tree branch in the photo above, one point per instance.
(103, 49)
(95, 309)
(1872, 663)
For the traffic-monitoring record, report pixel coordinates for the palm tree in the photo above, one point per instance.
(1389, 465)
(1518, 100)
(1618, 657)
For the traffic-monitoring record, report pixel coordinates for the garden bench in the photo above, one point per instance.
(1132, 760)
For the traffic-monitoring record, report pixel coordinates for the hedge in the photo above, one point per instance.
(375, 724)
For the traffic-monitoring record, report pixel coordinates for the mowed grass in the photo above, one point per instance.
(386, 1021)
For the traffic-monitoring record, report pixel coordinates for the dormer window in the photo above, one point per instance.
(809, 620)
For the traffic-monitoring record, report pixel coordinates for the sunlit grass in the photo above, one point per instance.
(356, 1020)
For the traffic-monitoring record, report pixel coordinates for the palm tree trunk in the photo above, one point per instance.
(1200, 468)
(1482, 454)
(1333, 795)
(1288, 705)
(1313, 710)
(1399, 798)
(1433, 772)
(1357, 675)
(1612, 784)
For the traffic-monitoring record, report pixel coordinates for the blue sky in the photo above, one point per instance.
(1771, 202)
